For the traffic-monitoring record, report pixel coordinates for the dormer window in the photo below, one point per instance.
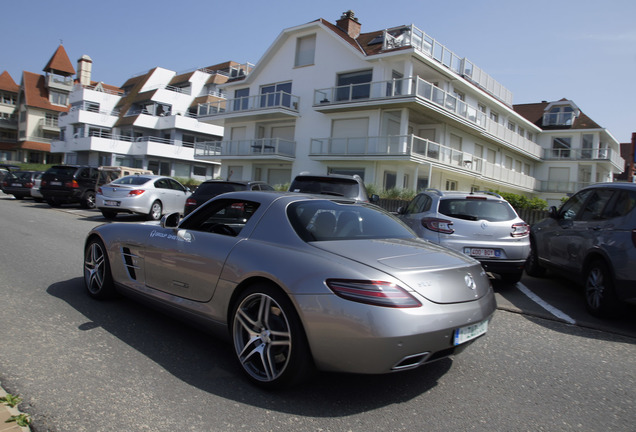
(560, 115)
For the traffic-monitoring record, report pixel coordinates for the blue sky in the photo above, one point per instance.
(540, 50)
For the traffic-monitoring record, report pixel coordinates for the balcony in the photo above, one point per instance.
(89, 113)
(555, 186)
(399, 91)
(268, 105)
(59, 82)
(412, 36)
(49, 124)
(563, 119)
(579, 155)
(416, 149)
(264, 148)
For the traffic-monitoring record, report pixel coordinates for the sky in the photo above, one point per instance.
(584, 51)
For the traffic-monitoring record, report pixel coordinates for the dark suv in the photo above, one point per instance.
(211, 188)
(592, 240)
(62, 184)
(333, 184)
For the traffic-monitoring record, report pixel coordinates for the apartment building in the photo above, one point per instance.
(150, 122)
(394, 106)
(8, 116)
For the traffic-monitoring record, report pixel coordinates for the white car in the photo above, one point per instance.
(150, 195)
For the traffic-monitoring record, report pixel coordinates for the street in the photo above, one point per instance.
(85, 365)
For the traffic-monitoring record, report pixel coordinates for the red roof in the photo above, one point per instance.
(60, 63)
(7, 83)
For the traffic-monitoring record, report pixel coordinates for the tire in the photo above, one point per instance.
(511, 278)
(268, 339)
(600, 296)
(88, 200)
(98, 278)
(156, 210)
(532, 267)
(110, 215)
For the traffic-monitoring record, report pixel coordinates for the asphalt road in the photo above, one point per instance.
(84, 365)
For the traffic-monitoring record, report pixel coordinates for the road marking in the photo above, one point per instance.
(538, 300)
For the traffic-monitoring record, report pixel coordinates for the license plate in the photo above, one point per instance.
(16, 184)
(481, 252)
(470, 332)
(54, 183)
(112, 203)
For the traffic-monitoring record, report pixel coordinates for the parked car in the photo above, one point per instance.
(482, 225)
(150, 195)
(211, 188)
(19, 183)
(294, 290)
(592, 240)
(35, 190)
(332, 184)
(109, 173)
(65, 184)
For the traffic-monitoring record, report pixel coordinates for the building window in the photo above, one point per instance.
(276, 95)
(305, 50)
(561, 147)
(559, 116)
(494, 116)
(354, 85)
(241, 99)
(512, 126)
(451, 185)
(588, 144)
(390, 179)
(58, 98)
(482, 108)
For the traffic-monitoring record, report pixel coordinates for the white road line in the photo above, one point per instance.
(538, 300)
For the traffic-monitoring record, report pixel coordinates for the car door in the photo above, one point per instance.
(164, 194)
(179, 195)
(187, 261)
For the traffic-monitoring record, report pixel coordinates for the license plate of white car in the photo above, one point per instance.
(112, 203)
(467, 333)
(481, 252)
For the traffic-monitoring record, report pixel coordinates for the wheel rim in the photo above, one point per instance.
(262, 337)
(156, 211)
(90, 201)
(94, 268)
(594, 288)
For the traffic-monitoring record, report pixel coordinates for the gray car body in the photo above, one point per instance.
(198, 275)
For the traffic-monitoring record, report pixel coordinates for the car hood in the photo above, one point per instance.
(438, 274)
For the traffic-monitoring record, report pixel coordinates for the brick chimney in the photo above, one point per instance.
(349, 23)
(84, 69)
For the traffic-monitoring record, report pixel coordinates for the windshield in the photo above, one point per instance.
(329, 220)
(477, 209)
(135, 180)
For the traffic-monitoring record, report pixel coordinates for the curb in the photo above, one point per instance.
(5, 413)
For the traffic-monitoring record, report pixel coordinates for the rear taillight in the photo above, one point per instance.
(190, 202)
(438, 225)
(99, 190)
(72, 184)
(28, 184)
(376, 293)
(43, 183)
(520, 229)
(136, 192)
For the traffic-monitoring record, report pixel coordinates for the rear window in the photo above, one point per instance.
(328, 220)
(218, 188)
(477, 209)
(62, 171)
(131, 180)
(326, 186)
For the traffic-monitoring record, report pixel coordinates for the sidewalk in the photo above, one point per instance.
(5, 413)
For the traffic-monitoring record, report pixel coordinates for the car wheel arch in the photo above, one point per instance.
(248, 283)
(596, 255)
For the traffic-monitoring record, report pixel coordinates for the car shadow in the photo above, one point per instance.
(207, 362)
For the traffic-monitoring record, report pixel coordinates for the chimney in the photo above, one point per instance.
(84, 69)
(349, 23)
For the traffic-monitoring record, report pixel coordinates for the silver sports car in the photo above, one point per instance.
(299, 282)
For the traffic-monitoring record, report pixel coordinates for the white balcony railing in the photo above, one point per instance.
(246, 148)
(559, 119)
(276, 100)
(418, 148)
(596, 154)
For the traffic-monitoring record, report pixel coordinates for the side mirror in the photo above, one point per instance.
(170, 220)
(374, 198)
(401, 210)
(553, 212)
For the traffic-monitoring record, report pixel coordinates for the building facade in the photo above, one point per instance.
(394, 106)
(8, 116)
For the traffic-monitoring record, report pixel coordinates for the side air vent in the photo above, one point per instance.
(129, 262)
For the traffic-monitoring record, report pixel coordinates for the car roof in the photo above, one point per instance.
(458, 194)
(617, 185)
(242, 182)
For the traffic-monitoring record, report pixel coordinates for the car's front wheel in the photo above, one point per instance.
(156, 211)
(600, 296)
(268, 339)
(97, 276)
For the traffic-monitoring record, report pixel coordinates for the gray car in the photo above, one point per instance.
(482, 225)
(149, 195)
(299, 282)
(348, 186)
(592, 239)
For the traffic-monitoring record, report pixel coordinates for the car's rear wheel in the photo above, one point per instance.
(268, 339)
(109, 214)
(533, 268)
(88, 200)
(156, 210)
(600, 296)
(97, 276)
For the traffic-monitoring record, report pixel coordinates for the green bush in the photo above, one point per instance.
(522, 202)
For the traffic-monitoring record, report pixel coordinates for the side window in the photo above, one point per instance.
(417, 205)
(175, 185)
(94, 173)
(595, 204)
(227, 217)
(84, 173)
(162, 184)
(573, 206)
(621, 204)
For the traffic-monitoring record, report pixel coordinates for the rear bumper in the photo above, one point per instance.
(74, 195)
(503, 266)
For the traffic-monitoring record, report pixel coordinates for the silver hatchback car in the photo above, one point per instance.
(482, 225)
(150, 195)
(592, 239)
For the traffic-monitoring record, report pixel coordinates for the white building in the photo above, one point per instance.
(149, 122)
(394, 106)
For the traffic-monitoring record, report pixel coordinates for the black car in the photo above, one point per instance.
(211, 188)
(333, 184)
(63, 184)
(19, 183)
